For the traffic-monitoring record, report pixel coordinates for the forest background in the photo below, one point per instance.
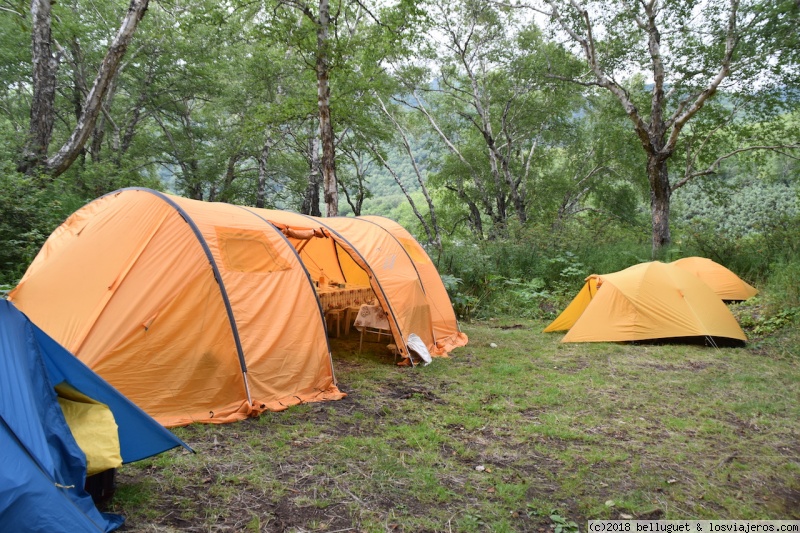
(527, 144)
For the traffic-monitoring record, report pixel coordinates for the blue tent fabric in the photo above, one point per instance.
(42, 469)
(30, 499)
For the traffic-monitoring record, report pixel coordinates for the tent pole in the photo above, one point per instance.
(217, 277)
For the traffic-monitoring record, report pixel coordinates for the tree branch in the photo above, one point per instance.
(683, 114)
(92, 106)
(435, 238)
(603, 80)
(714, 167)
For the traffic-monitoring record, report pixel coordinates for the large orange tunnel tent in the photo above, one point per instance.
(208, 312)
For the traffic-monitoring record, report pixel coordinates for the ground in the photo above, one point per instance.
(520, 437)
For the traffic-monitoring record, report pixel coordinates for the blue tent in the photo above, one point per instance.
(42, 469)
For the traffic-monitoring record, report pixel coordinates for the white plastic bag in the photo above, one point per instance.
(418, 347)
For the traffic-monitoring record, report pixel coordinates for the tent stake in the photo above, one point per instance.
(246, 387)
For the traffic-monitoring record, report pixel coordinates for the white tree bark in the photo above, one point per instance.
(61, 160)
(45, 67)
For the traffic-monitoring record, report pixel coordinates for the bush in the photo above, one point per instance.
(749, 225)
(30, 213)
(783, 286)
(538, 271)
(33, 207)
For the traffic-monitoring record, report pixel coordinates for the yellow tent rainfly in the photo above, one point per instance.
(725, 283)
(209, 312)
(648, 301)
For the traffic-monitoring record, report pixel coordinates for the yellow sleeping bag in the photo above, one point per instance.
(94, 428)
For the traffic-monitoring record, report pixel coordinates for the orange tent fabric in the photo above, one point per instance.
(207, 312)
(446, 334)
(361, 251)
(644, 302)
(725, 283)
(575, 309)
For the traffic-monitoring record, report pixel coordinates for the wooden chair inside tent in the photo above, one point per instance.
(372, 319)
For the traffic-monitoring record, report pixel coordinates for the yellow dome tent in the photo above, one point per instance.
(725, 283)
(646, 302)
(209, 312)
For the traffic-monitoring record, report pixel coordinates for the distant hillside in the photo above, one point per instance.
(386, 194)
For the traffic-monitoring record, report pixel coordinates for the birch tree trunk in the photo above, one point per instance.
(311, 198)
(45, 67)
(328, 163)
(660, 194)
(263, 158)
(42, 108)
(94, 100)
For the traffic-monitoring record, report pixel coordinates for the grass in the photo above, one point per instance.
(498, 439)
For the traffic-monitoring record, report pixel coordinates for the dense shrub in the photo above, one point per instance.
(538, 272)
(32, 207)
(748, 225)
(30, 213)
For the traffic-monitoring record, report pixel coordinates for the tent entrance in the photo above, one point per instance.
(343, 287)
(326, 261)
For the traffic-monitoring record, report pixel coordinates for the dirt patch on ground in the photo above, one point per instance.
(689, 365)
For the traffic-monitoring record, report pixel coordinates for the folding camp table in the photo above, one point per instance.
(338, 303)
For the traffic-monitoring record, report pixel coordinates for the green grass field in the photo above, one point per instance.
(523, 436)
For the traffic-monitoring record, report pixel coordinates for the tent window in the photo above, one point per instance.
(414, 251)
(248, 251)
